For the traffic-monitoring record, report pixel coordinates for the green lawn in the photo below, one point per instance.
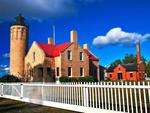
(11, 106)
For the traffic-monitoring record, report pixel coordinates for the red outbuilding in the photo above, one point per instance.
(128, 71)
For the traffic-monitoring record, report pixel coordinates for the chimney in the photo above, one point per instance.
(138, 53)
(85, 46)
(50, 41)
(73, 35)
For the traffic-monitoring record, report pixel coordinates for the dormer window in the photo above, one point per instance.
(81, 56)
(69, 55)
(33, 57)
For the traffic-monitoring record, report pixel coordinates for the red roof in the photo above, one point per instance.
(92, 57)
(53, 50)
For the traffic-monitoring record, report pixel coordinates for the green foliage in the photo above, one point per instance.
(148, 68)
(9, 78)
(86, 79)
(116, 62)
(64, 79)
(73, 79)
(129, 59)
(106, 79)
(89, 79)
(76, 79)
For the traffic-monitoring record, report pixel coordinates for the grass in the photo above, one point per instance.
(11, 106)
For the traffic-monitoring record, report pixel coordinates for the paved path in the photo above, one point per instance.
(11, 106)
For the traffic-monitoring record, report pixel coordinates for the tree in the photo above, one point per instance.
(129, 59)
(116, 62)
(9, 78)
(147, 69)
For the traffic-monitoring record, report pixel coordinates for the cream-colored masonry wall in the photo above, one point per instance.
(39, 56)
(75, 63)
(58, 64)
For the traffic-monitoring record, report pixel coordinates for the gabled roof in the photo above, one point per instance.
(53, 50)
(128, 67)
(92, 57)
(111, 68)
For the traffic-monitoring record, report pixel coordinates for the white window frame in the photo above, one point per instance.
(70, 54)
(82, 56)
(82, 72)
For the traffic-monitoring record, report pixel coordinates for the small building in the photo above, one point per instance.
(128, 71)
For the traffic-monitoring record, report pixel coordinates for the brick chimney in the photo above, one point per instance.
(85, 46)
(138, 53)
(73, 36)
(50, 41)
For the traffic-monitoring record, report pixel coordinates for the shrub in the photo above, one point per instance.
(64, 79)
(86, 79)
(106, 79)
(89, 79)
(73, 79)
(82, 79)
(9, 78)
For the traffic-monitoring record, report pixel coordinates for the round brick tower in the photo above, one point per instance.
(18, 46)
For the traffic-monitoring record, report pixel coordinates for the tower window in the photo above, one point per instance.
(69, 71)
(81, 56)
(69, 55)
(81, 71)
(33, 57)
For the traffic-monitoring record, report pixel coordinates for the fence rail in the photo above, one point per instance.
(130, 97)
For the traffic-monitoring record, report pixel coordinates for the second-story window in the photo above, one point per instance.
(33, 57)
(69, 55)
(81, 56)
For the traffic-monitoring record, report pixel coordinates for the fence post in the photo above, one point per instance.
(86, 96)
(2, 90)
(21, 93)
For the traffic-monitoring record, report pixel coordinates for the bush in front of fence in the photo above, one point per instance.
(9, 78)
(76, 79)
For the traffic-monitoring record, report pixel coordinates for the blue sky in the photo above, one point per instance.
(110, 27)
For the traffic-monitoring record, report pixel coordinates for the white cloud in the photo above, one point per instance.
(5, 55)
(119, 37)
(4, 69)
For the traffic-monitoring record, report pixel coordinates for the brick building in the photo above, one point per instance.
(129, 71)
(46, 62)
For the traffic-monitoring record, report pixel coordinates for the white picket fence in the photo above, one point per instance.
(103, 97)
